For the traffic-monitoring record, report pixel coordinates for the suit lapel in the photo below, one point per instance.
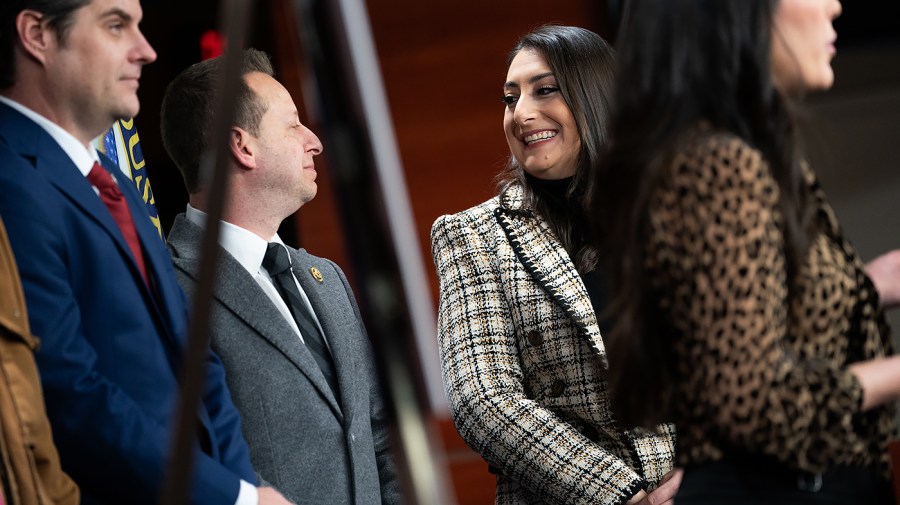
(162, 292)
(549, 264)
(339, 324)
(155, 256)
(67, 179)
(36, 145)
(33, 143)
(239, 293)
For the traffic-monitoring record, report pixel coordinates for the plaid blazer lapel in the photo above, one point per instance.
(549, 264)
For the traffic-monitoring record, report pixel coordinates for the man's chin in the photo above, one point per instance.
(129, 110)
(309, 194)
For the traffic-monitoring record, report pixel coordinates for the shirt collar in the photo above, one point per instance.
(247, 247)
(81, 155)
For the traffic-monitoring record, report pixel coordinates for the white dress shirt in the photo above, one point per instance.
(84, 157)
(249, 249)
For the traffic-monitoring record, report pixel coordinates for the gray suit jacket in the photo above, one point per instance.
(308, 445)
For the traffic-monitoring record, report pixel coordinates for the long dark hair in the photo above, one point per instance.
(682, 62)
(583, 65)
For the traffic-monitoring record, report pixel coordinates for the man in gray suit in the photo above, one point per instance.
(285, 324)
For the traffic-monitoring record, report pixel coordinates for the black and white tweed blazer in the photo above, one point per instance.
(523, 361)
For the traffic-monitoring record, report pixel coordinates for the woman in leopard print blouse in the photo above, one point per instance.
(743, 314)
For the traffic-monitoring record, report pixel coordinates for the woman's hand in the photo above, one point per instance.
(885, 274)
(639, 499)
(664, 494)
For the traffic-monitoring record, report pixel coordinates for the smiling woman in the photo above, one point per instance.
(521, 346)
(539, 126)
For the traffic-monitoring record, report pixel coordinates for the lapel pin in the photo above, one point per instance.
(317, 275)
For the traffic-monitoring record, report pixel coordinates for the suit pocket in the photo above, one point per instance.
(263, 446)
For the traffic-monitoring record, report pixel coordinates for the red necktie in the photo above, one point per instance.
(114, 200)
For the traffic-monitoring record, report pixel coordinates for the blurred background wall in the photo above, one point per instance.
(443, 65)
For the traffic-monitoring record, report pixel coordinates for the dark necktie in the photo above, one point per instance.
(278, 264)
(114, 200)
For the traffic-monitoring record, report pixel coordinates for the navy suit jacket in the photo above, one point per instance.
(111, 346)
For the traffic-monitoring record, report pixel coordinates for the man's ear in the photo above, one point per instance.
(243, 148)
(35, 36)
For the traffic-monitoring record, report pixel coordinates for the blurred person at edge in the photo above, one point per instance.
(521, 348)
(29, 462)
(743, 313)
(98, 282)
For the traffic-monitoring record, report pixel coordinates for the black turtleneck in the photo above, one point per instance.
(597, 282)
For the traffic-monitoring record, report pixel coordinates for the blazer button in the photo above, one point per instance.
(535, 338)
(557, 388)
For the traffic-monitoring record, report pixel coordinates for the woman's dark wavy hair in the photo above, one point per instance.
(58, 14)
(680, 63)
(583, 65)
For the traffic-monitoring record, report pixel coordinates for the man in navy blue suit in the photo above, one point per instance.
(98, 282)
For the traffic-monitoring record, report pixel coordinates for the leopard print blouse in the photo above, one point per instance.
(759, 372)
